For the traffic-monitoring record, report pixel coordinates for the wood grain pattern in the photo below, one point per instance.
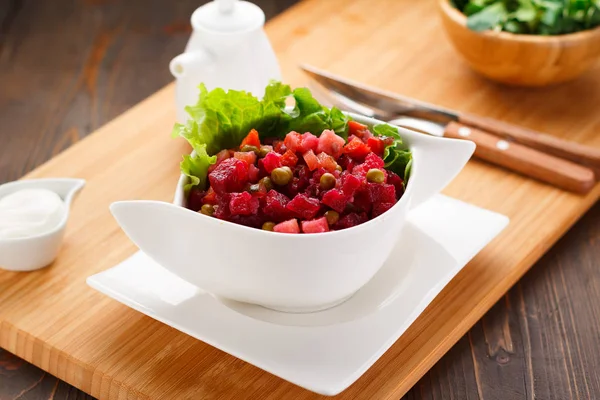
(530, 162)
(523, 60)
(567, 149)
(84, 343)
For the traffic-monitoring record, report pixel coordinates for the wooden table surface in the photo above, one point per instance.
(68, 67)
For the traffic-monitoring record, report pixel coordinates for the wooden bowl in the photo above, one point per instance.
(521, 60)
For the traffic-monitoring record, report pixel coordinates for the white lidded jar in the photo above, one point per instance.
(228, 48)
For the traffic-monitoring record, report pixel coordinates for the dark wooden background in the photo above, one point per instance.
(69, 66)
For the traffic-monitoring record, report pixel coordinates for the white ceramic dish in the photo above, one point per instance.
(31, 253)
(324, 351)
(297, 273)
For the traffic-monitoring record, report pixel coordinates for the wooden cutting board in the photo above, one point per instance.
(52, 319)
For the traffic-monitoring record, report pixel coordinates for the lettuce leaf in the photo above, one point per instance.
(396, 157)
(220, 120)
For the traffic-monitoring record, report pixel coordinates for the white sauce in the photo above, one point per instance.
(30, 212)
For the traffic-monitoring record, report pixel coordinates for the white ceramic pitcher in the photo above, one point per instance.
(228, 48)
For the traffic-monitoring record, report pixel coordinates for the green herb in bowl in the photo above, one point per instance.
(535, 17)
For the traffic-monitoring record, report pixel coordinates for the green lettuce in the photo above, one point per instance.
(396, 157)
(220, 120)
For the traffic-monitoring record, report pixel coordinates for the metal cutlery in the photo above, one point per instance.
(537, 155)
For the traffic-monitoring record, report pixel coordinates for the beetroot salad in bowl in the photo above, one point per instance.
(309, 169)
(323, 193)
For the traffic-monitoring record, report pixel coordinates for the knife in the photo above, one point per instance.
(537, 155)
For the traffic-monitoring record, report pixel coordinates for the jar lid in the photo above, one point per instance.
(228, 16)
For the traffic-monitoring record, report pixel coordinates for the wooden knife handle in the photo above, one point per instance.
(549, 144)
(525, 160)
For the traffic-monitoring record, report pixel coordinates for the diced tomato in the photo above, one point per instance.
(357, 129)
(357, 149)
(222, 155)
(377, 145)
(318, 225)
(279, 146)
(309, 142)
(311, 160)
(251, 139)
(289, 158)
(327, 162)
(289, 226)
(271, 161)
(210, 197)
(253, 173)
(248, 156)
(331, 144)
(292, 141)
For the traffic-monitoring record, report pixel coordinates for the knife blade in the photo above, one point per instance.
(392, 105)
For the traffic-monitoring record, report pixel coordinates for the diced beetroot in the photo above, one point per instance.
(303, 206)
(346, 162)
(243, 204)
(330, 143)
(290, 226)
(302, 172)
(253, 172)
(309, 142)
(254, 221)
(376, 145)
(271, 161)
(210, 197)
(357, 149)
(327, 162)
(381, 193)
(350, 184)
(398, 183)
(335, 199)
(248, 156)
(315, 226)
(279, 147)
(289, 158)
(230, 175)
(357, 129)
(194, 200)
(292, 141)
(222, 206)
(374, 161)
(362, 199)
(274, 207)
(350, 220)
(311, 160)
(380, 208)
(222, 155)
(251, 139)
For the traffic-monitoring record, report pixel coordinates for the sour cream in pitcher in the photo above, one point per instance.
(30, 212)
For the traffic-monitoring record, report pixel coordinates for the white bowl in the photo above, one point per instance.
(35, 252)
(286, 272)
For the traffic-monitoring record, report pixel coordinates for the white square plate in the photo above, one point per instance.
(325, 351)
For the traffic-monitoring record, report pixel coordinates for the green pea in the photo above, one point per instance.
(327, 181)
(207, 209)
(263, 151)
(248, 147)
(268, 226)
(267, 183)
(332, 217)
(339, 168)
(375, 175)
(281, 176)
